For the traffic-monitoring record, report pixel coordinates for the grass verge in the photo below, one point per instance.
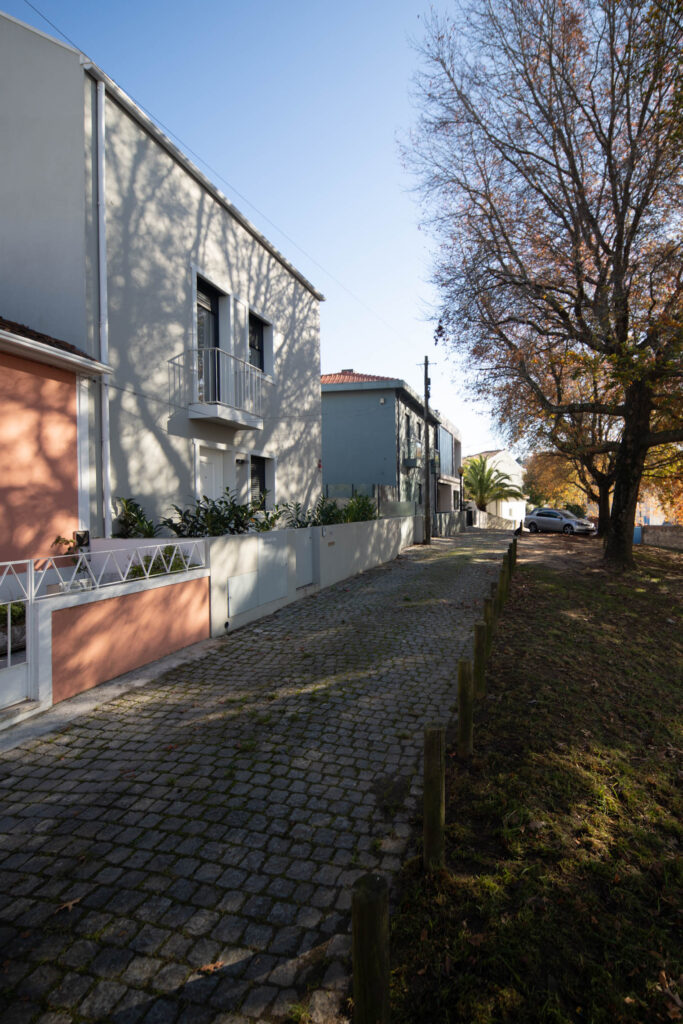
(560, 901)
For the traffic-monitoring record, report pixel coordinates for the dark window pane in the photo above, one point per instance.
(258, 476)
(208, 369)
(256, 341)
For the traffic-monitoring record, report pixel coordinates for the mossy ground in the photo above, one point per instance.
(560, 899)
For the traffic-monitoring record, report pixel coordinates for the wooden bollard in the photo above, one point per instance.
(501, 589)
(434, 807)
(370, 924)
(505, 579)
(480, 642)
(496, 603)
(488, 619)
(465, 708)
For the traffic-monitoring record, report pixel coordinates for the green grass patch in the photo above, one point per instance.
(561, 897)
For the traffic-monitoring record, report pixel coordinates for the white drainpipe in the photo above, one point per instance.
(103, 308)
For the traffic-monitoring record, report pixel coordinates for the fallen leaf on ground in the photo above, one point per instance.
(69, 905)
(210, 968)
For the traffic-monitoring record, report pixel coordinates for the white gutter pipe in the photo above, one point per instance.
(103, 309)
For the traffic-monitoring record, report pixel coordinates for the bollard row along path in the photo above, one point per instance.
(186, 852)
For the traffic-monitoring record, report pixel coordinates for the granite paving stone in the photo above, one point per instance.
(186, 851)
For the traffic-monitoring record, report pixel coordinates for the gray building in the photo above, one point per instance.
(373, 443)
(115, 242)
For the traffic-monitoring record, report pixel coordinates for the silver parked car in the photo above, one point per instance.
(557, 520)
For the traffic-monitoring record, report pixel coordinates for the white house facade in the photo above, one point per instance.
(115, 242)
(512, 509)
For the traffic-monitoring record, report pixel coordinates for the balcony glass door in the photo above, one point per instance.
(208, 370)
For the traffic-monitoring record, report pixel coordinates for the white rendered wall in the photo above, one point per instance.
(253, 575)
(42, 206)
(163, 228)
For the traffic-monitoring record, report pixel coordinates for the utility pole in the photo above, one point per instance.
(427, 474)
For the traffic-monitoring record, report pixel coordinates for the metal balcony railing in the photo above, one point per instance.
(213, 377)
(412, 454)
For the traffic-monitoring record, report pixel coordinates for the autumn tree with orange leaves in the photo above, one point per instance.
(550, 157)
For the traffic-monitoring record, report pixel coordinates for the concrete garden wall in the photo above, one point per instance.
(80, 637)
(449, 524)
(663, 536)
(255, 574)
(104, 633)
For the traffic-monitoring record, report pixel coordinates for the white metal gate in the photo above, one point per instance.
(16, 592)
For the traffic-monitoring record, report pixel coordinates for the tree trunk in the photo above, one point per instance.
(628, 473)
(603, 508)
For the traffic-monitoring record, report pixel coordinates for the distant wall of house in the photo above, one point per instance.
(663, 536)
(511, 510)
(41, 185)
(107, 636)
(359, 436)
(38, 456)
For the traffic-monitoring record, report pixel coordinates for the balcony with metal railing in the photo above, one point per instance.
(412, 454)
(214, 385)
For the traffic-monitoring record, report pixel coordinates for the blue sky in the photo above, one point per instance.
(297, 108)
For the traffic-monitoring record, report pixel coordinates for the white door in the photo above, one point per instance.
(210, 473)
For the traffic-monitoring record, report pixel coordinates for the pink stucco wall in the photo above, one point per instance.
(98, 641)
(38, 457)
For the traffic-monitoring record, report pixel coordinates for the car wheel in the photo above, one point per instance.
(567, 529)
(533, 528)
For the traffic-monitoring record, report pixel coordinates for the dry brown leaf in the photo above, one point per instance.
(210, 968)
(69, 905)
(476, 940)
(423, 935)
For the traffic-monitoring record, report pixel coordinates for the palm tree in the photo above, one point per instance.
(485, 484)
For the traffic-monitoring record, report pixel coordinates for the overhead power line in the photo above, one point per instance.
(220, 177)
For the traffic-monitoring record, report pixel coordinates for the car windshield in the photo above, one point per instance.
(569, 515)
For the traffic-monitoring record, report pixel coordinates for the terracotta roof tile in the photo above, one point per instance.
(27, 332)
(349, 377)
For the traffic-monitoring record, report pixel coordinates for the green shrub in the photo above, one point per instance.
(155, 565)
(132, 521)
(359, 509)
(325, 512)
(578, 510)
(17, 613)
(214, 517)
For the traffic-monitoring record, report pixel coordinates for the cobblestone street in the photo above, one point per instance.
(186, 852)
